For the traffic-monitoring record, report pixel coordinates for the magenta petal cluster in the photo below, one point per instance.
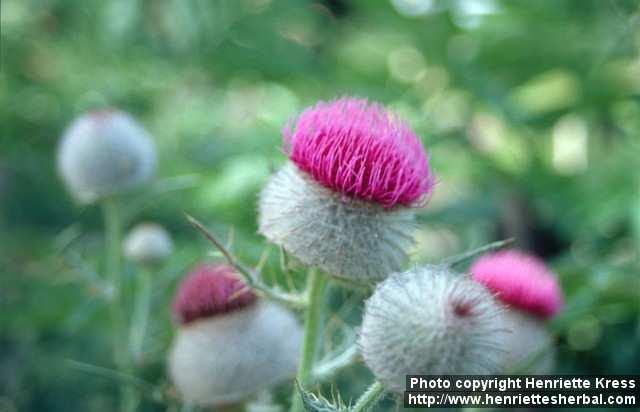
(520, 280)
(358, 149)
(210, 290)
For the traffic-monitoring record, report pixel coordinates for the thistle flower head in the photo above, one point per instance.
(519, 280)
(238, 346)
(208, 291)
(430, 321)
(358, 149)
(103, 153)
(148, 244)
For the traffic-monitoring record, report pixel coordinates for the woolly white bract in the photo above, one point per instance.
(148, 244)
(429, 320)
(225, 358)
(345, 237)
(529, 345)
(103, 153)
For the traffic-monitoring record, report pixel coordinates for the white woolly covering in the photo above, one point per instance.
(429, 320)
(345, 237)
(226, 358)
(529, 344)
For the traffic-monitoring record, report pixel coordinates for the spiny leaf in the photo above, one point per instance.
(318, 403)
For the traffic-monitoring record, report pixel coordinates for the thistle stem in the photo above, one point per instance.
(113, 233)
(369, 398)
(140, 320)
(328, 368)
(312, 325)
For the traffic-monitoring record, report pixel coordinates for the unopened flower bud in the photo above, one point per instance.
(531, 294)
(230, 344)
(148, 244)
(430, 321)
(103, 153)
(345, 200)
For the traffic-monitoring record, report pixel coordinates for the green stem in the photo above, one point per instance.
(369, 398)
(330, 367)
(140, 319)
(113, 231)
(315, 289)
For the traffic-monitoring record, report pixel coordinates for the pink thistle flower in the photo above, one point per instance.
(339, 203)
(359, 150)
(210, 290)
(519, 280)
(230, 344)
(531, 292)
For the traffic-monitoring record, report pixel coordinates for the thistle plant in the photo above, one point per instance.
(102, 155)
(343, 207)
(341, 210)
(147, 245)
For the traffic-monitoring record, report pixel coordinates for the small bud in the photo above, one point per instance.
(430, 321)
(148, 244)
(345, 200)
(531, 293)
(230, 344)
(103, 153)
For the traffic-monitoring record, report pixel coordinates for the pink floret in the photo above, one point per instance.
(519, 280)
(358, 149)
(210, 290)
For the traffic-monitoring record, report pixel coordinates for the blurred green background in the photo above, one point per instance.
(530, 111)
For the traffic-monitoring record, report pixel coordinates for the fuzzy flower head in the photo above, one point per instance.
(519, 280)
(103, 153)
(148, 244)
(358, 149)
(337, 204)
(430, 321)
(229, 344)
(208, 291)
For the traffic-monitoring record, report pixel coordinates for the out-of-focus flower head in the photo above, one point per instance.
(103, 153)
(230, 344)
(210, 290)
(148, 244)
(531, 294)
(520, 280)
